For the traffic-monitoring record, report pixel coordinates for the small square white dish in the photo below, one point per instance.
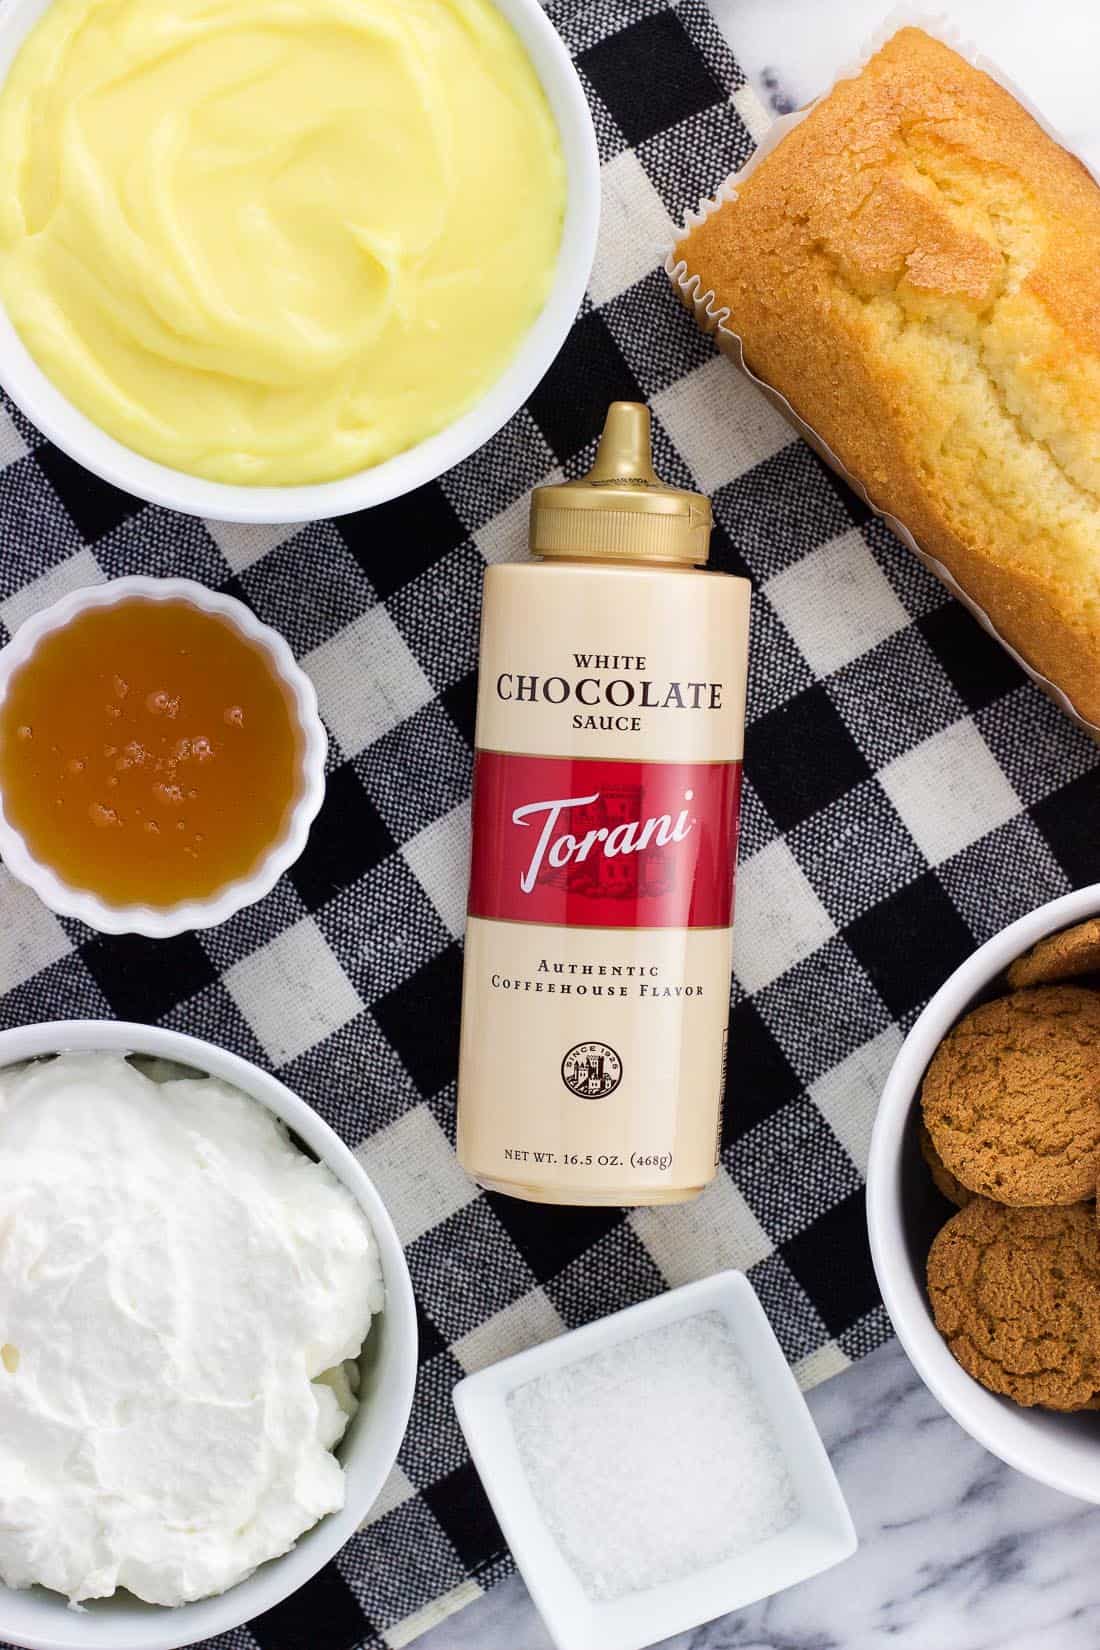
(821, 1535)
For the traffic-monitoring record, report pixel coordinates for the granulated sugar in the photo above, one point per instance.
(654, 1458)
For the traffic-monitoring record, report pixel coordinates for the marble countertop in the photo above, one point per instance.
(792, 50)
(955, 1549)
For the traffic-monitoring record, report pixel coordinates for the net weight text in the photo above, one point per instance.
(590, 1160)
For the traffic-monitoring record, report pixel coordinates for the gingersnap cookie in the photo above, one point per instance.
(1061, 956)
(942, 1178)
(1016, 1295)
(1012, 1097)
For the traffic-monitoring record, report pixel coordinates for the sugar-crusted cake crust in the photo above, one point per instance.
(916, 267)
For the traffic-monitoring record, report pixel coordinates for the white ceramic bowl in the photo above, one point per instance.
(174, 919)
(76, 435)
(821, 1535)
(904, 1212)
(42, 1620)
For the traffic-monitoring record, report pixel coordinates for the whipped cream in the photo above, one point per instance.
(180, 1289)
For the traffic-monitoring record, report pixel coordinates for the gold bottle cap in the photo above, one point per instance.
(620, 510)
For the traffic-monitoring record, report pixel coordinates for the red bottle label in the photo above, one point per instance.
(594, 844)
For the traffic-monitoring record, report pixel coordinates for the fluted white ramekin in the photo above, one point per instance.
(161, 922)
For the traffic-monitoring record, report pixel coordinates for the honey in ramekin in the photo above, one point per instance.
(149, 752)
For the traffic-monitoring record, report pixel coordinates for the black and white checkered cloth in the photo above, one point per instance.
(907, 793)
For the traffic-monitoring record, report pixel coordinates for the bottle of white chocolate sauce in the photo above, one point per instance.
(609, 737)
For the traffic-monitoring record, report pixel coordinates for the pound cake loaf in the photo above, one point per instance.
(916, 268)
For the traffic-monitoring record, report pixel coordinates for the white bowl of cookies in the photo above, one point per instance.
(981, 1194)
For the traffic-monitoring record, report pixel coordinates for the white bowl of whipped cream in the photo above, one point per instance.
(207, 1339)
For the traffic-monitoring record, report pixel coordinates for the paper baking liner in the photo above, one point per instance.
(712, 317)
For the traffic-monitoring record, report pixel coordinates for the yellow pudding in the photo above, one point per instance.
(275, 241)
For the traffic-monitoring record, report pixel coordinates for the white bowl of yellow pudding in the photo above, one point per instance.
(274, 260)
